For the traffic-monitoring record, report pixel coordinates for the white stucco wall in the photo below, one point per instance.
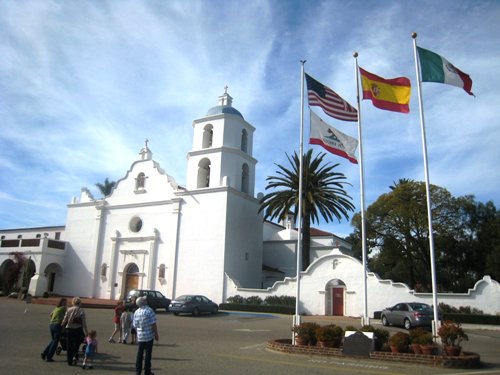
(381, 293)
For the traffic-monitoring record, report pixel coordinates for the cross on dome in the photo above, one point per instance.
(225, 99)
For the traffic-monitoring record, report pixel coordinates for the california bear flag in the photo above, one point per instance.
(332, 139)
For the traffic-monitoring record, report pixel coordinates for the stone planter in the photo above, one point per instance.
(428, 349)
(452, 351)
(416, 348)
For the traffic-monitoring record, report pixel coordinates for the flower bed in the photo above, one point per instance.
(465, 360)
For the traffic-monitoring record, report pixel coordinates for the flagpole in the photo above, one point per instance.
(365, 319)
(296, 318)
(435, 324)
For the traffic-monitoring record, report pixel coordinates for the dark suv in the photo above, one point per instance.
(156, 300)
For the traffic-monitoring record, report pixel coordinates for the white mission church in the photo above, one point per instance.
(206, 237)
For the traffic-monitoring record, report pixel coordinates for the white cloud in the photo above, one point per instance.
(84, 84)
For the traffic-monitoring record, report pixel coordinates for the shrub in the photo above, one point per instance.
(329, 332)
(306, 331)
(381, 338)
(280, 301)
(236, 299)
(416, 332)
(451, 333)
(400, 340)
(367, 329)
(351, 328)
(423, 339)
(253, 300)
(447, 309)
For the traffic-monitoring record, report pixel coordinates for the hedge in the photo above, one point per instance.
(471, 318)
(288, 310)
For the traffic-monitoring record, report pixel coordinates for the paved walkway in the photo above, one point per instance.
(111, 304)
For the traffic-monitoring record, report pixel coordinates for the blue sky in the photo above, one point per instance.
(83, 84)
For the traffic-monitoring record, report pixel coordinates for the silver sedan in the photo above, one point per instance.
(408, 315)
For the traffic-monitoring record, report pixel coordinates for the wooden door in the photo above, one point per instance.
(132, 282)
(338, 301)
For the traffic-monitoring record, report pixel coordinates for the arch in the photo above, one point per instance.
(208, 136)
(245, 171)
(244, 140)
(53, 273)
(203, 173)
(7, 274)
(161, 272)
(335, 297)
(140, 181)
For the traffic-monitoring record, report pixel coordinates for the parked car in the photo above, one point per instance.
(193, 304)
(156, 300)
(408, 315)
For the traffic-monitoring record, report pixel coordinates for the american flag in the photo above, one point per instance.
(333, 105)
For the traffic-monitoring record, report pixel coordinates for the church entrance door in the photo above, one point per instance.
(337, 301)
(132, 278)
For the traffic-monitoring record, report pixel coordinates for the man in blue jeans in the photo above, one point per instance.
(145, 324)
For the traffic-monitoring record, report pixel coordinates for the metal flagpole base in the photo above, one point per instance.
(297, 319)
(365, 321)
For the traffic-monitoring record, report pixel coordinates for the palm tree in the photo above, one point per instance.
(323, 194)
(400, 182)
(106, 188)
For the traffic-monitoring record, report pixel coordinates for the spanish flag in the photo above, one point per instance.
(389, 94)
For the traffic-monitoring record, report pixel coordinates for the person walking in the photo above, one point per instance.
(56, 317)
(90, 350)
(144, 322)
(120, 307)
(76, 329)
(126, 323)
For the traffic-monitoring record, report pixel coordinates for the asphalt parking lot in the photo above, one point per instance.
(228, 343)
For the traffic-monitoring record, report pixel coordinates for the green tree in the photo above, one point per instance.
(398, 237)
(106, 188)
(323, 195)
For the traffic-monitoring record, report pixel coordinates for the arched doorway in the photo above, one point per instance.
(52, 272)
(131, 278)
(8, 271)
(335, 297)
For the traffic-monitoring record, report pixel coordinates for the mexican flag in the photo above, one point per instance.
(436, 68)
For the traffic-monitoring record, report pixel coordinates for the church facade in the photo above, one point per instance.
(206, 237)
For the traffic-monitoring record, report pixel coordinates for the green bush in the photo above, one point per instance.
(472, 319)
(330, 333)
(444, 309)
(236, 299)
(417, 332)
(280, 301)
(288, 310)
(253, 300)
(401, 341)
(351, 328)
(306, 331)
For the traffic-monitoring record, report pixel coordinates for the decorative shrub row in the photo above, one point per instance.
(445, 308)
(258, 308)
(472, 319)
(256, 300)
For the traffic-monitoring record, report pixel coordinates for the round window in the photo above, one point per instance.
(135, 224)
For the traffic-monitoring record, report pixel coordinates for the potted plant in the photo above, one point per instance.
(414, 334)
(380, 336)
(329, 335)
(399, 342)
(426, 343)
(305, 333)
(451, 335)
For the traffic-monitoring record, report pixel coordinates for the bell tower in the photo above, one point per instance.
(221, 155)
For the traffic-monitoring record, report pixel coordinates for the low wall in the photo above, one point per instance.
(466, 360)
